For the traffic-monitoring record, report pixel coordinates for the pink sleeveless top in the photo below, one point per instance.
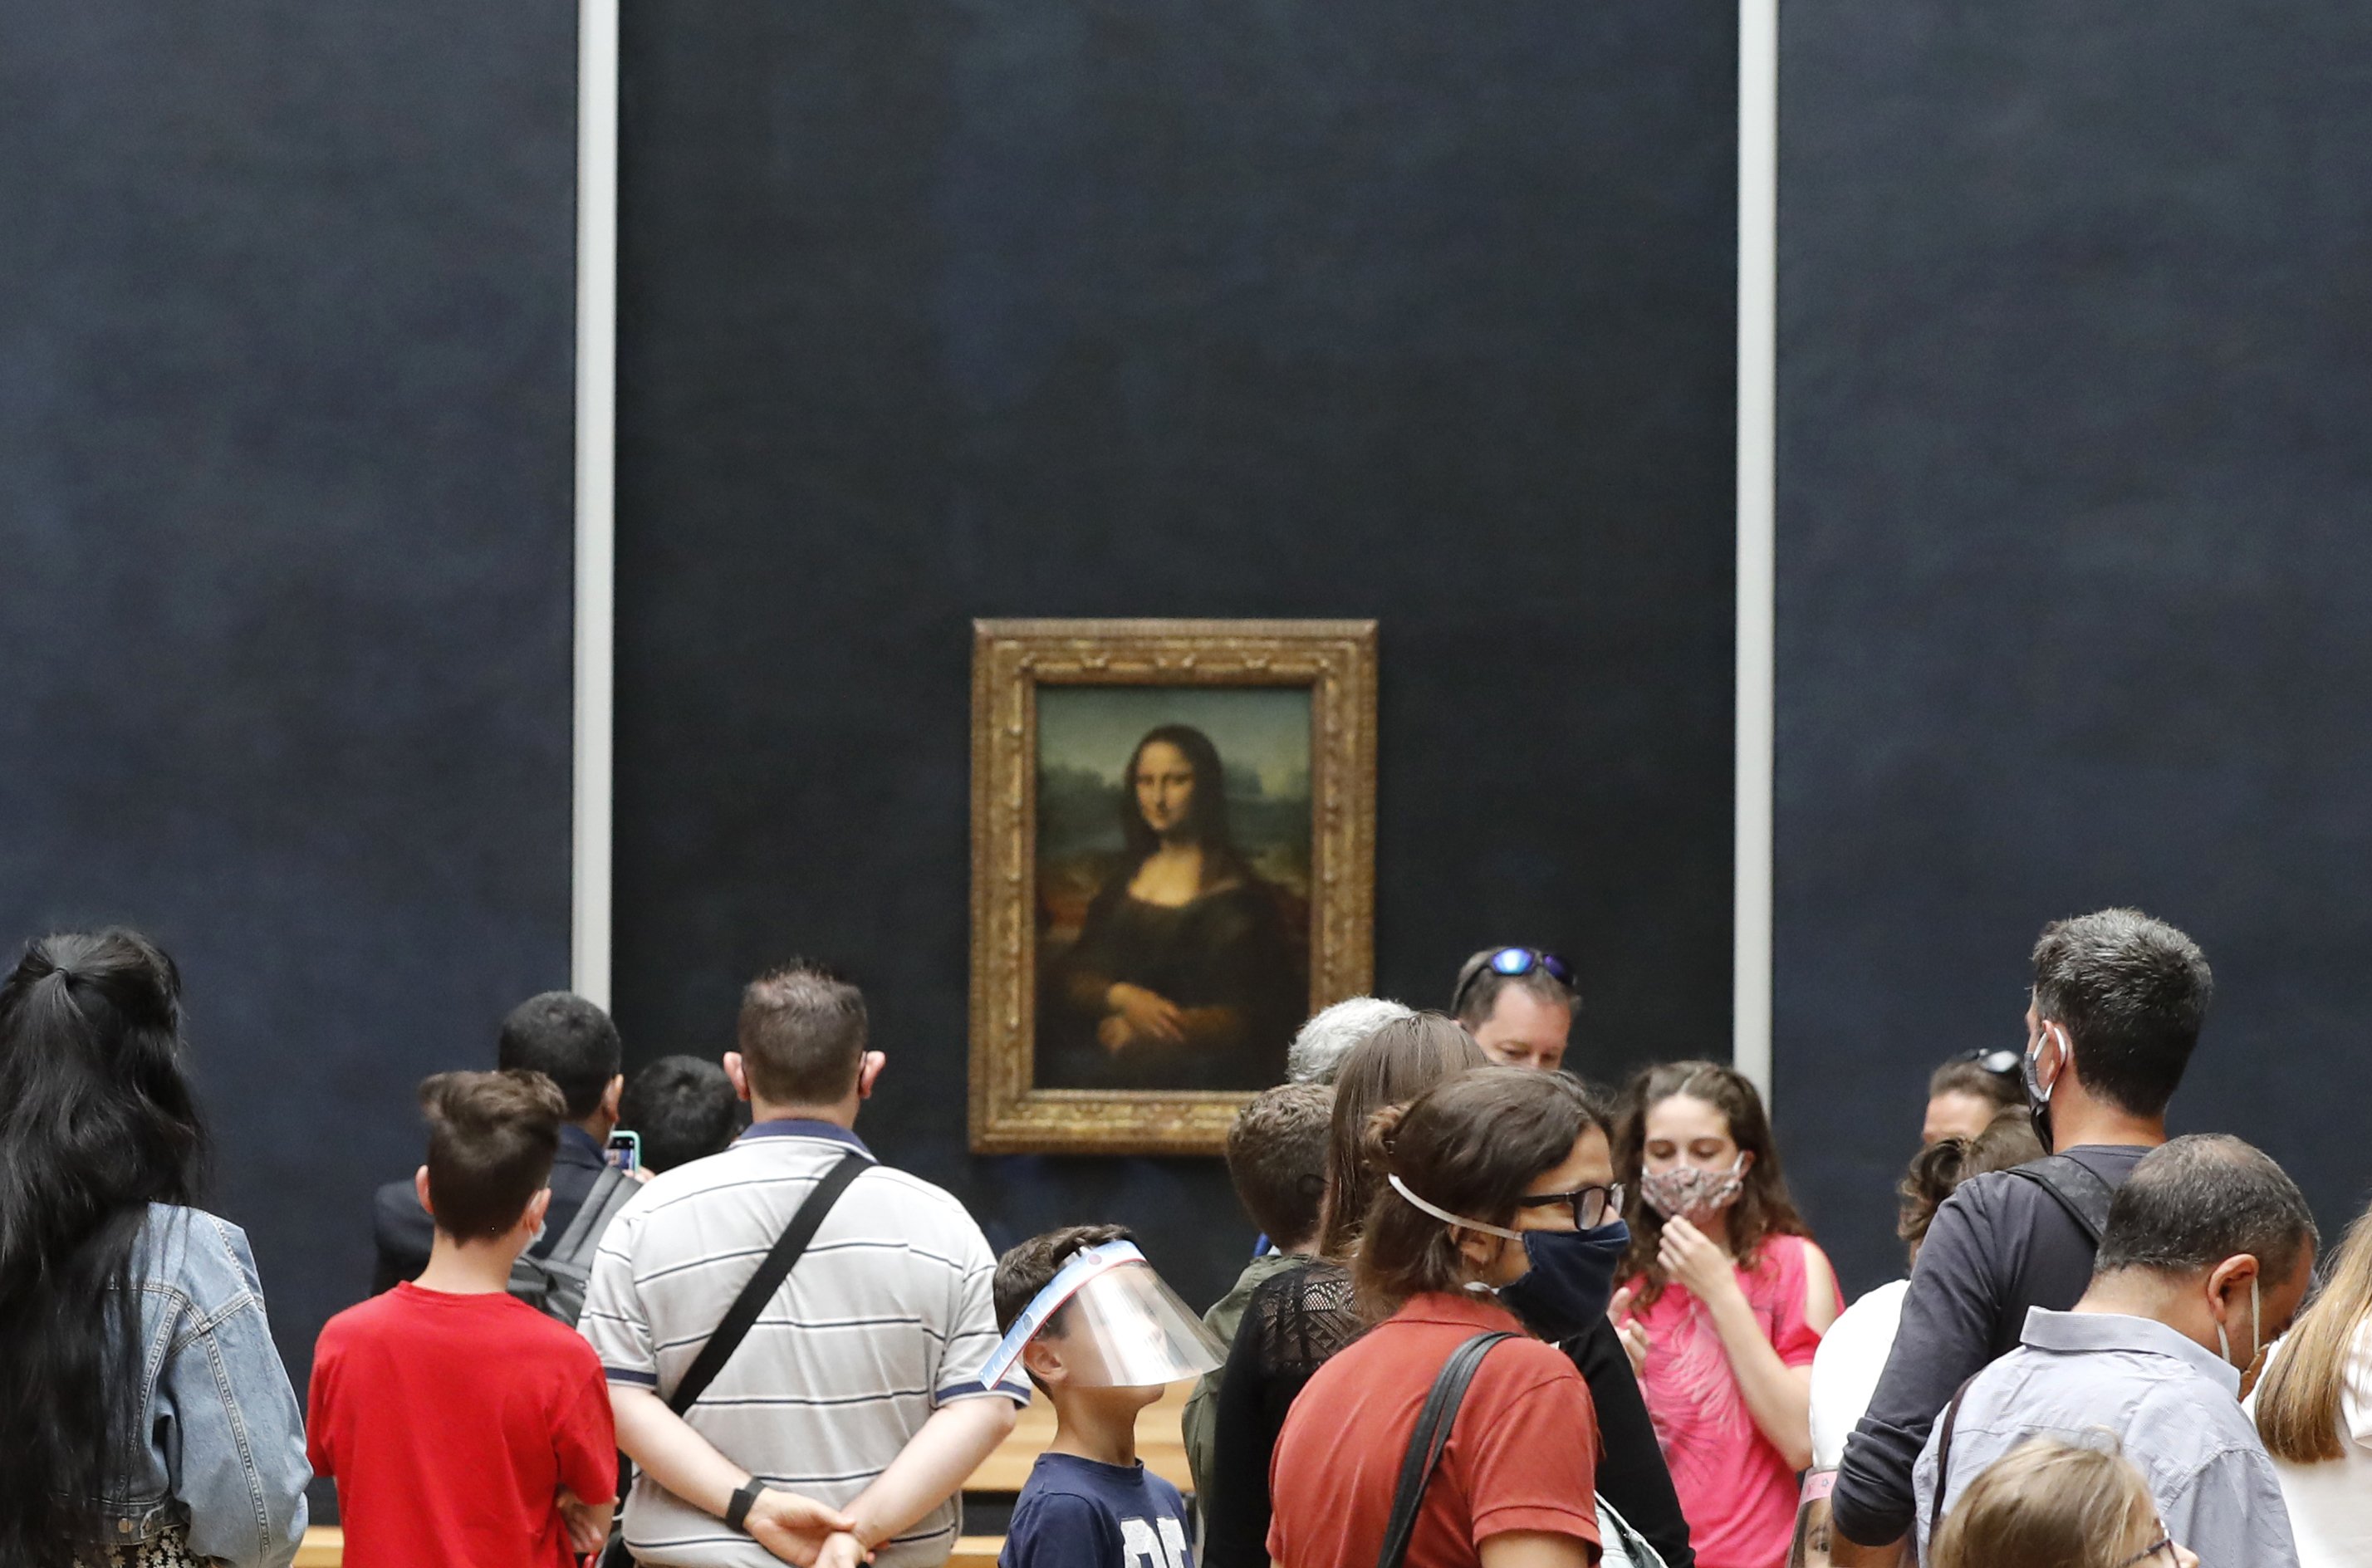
(1737, 1492)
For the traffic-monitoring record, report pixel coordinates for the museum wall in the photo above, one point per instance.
(287, 320)
(932, 311)
(2075, 569)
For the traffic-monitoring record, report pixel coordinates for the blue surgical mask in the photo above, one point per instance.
(1569, 1281)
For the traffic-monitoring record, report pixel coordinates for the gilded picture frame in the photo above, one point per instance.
(1047, 1075)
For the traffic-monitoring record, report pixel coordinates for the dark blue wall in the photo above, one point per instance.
(286, 307)
(2076, 552)
(932, 310)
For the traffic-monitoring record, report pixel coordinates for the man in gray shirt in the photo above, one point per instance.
(2208, 1252)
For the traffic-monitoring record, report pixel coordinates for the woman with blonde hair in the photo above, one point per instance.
(2052, 1505)
(2314, 1411)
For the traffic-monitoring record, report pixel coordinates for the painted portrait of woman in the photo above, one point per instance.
(1186, 972)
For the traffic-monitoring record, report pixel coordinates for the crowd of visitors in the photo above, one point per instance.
(1493, 1316)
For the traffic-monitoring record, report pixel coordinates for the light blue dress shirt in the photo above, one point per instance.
(2173, 1406)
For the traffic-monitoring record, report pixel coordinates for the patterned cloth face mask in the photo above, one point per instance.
(1684, 1190)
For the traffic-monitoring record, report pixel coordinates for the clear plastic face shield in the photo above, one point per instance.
(1119, 1327)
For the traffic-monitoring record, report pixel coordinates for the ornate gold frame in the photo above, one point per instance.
(1336, 659)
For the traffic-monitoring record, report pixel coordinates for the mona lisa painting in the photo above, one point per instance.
(1172, 867)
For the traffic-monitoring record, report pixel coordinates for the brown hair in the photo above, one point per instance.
(2050, 1504)
(2298, 1402)
(1470, 1144)
(1958, 1077)
(1763, 1209)
(1026, 1269)
(1392, 1067)
(1938, 1170)
(801, 1034)
(491, 1139)
(1276, 1157)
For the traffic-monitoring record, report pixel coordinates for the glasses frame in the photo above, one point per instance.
(1608, 1194)
(2165, 1544)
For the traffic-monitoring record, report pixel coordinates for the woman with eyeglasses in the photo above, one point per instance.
(2314, 1409)
(1725, 1299)
(2052, 1505)
(1490, 1183)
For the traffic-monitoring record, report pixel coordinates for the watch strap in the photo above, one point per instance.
(736, 1512)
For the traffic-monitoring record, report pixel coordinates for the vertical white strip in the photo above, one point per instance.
(1758, 306)
(596, 383)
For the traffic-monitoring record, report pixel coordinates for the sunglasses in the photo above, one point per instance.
(1592, 1207)
(2002, 1061)
(1511, 963)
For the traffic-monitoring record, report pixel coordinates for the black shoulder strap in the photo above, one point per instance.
(1426, 1444)
(772, 1272)
(2078, 1187)
(1944, 1460)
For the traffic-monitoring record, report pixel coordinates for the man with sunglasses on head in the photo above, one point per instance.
(2114, 1013)
(1965, 1093)
(1519, 1004)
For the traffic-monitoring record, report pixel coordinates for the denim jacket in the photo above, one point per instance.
(225, 1437)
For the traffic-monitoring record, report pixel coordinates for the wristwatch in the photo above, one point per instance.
(736, 1512)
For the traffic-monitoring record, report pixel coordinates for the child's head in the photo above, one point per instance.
(490, 1140)
(2053, 1504)
(1028, 1268)
(1276, 1157)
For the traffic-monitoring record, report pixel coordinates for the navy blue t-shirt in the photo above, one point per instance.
(1076, 1512)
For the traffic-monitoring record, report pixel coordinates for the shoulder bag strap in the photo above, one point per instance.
(2078, 1189)
(772, 1272)
(610, 1192)
(1426, 1442)
(1944, 1461)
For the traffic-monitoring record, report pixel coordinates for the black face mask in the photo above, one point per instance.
(1571, 1280)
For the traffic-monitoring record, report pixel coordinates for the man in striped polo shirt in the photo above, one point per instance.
(855, 1403)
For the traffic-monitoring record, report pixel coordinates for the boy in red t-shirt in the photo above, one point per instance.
(465, 1428)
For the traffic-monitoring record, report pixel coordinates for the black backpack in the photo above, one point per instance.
(553, 1282)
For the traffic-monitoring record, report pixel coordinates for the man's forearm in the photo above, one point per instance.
(931, 1467)
(664, 1445)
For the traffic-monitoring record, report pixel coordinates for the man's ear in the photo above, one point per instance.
(537, 1207)
(610, 1097)
(420, 1186)
(868, 1073)
(2227, 1282)
(736, 1071)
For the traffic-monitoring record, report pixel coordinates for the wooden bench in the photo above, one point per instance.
(1160, 1444)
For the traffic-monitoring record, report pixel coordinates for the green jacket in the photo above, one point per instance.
(1201, 1418)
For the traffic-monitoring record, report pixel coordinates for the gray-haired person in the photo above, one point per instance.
(1326, 1039)
(2208, 1252)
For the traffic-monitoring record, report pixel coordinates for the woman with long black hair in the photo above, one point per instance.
(144, 1415)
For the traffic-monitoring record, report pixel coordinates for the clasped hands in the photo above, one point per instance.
(1690, 1258)
(805, 1532)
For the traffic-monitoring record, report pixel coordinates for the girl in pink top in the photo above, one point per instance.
(1725, 1299)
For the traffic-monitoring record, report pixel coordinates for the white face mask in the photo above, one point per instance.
(2256, 1331)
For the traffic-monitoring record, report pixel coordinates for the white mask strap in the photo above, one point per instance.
(1445, 1217)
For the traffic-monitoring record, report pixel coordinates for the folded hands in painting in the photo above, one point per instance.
(1138, 1015)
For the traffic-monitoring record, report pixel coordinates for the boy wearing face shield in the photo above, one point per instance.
(1100, 1335)
(2208, 1251)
